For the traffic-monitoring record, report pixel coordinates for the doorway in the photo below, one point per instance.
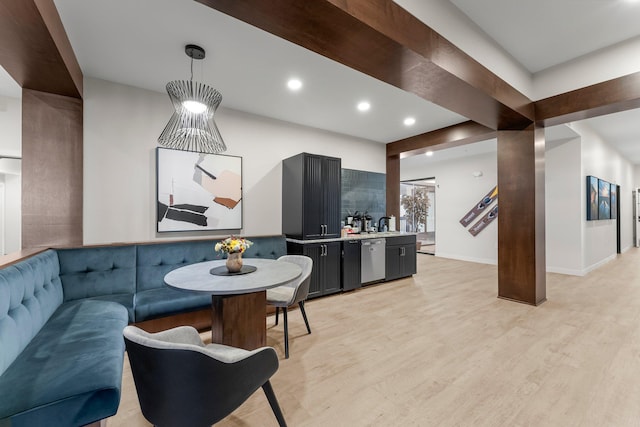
(617, 202)
(417, 212)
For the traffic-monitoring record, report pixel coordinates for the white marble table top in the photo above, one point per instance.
(196, 277)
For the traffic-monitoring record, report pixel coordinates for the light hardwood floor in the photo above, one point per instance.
(440, 349)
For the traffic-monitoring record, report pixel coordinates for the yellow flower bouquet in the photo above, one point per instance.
(233, 245)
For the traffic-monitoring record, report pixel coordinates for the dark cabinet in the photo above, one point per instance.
(351, 272)
(400, 258)
(311, 196)
(325, 276)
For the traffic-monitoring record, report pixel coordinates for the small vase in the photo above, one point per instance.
(234, 262)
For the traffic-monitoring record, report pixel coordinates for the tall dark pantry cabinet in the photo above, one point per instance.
(311, 211)
(311, 196)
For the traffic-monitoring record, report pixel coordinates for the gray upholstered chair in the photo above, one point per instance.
(182, 382)
(292, 292)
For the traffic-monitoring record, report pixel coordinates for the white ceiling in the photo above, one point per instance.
(248, 66)
(543, 33)
(141, 43)
(475, 149)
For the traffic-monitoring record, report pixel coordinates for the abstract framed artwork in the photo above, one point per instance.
(604, 202)
(613, 198)
(592, 198)
(197, 191)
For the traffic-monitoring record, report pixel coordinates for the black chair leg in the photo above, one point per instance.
(277, 312)
(304, 315)
(286, 333)
(271, 397)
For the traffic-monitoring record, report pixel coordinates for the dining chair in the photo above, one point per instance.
(292, 292)
(183, 382)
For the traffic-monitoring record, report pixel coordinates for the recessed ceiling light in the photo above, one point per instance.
(409, 121)
(294, 84)
(364, 106)
(429, 153)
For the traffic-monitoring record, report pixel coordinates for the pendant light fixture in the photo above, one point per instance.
(191, 127)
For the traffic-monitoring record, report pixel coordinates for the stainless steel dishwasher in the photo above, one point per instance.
(372, 260)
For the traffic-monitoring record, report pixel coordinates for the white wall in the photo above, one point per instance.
(10, 126)
(573, 244)
(121, 127)
(564, 213)
(601, 160)
(10, 145)
(12, 213)
(457, 190)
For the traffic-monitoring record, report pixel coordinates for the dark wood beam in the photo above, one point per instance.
(393, 186)
(379, 38)
(35, 50)
(608, 97)
(451, 136)
(521, 219)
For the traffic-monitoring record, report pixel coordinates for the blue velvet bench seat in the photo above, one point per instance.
(60, 362)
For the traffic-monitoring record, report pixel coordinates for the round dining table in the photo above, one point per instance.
(238, 301)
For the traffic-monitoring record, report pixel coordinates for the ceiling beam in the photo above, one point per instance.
(449, 137)
(35, 50)
(608, 97)
(380, 39)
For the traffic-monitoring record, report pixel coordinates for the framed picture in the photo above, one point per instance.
(613, 197)
(197, 191)
(592, 198)
(604, 202)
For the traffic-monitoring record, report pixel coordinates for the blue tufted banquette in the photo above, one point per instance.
(60, 362)
(154, 299)
(62, 313)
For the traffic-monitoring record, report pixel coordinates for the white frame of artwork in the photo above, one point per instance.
(197, 191)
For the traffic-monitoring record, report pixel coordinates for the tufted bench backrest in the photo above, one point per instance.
(30, 291)
(156, 260)
(271, 247)
(101, 272)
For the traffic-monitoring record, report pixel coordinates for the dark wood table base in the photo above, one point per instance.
(239, 320)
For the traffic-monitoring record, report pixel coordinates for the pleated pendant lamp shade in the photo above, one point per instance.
(191, 126)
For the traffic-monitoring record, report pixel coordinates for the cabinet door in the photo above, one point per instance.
(331, 267)
(409, 260)
(392, 263)
(351, 276)
(331, 179)
(314, 252)
(312, 198)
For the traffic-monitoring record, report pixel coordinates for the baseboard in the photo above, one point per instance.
(469, 259)
(600, 263)
(568, 271)
(549, 269)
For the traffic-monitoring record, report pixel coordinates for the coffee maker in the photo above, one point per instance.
(383, 223)
(366, 222)
(356, 222)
